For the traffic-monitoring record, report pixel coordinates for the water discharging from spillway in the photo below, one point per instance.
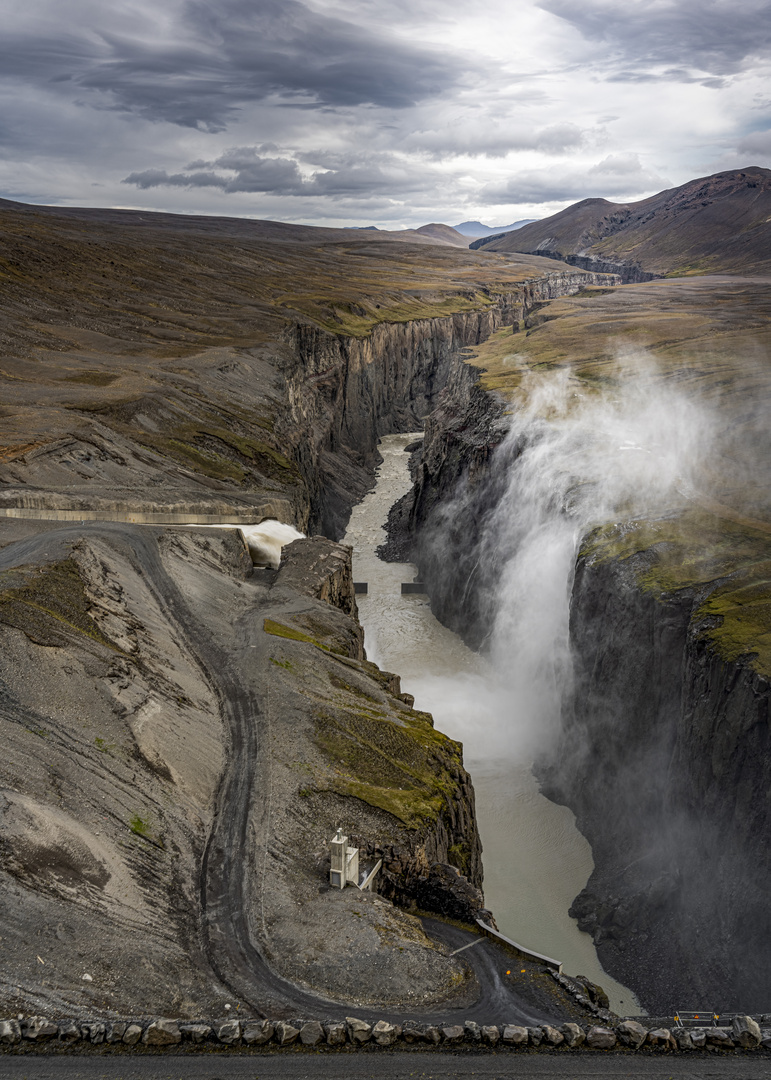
(535, 859)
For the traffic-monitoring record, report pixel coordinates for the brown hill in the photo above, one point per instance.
(716, 224)
(444, 234)
(252, 229)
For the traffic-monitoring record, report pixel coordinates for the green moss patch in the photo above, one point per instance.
(49, 604)
(221, 454)
(744, 611)
(459, 855)
(341, 316)
(408, 771)
(727, 564)
(270, 626)
(330, 634)
(142, 827)
(411, 806)
(287, 665)
(207, 462)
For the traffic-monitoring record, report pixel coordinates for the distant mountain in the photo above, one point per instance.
(476, 228)
(719, 223)
(444, 233)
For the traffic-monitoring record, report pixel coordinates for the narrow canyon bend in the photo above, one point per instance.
(183, 731)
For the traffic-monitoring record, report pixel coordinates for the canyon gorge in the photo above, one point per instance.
(184, 731)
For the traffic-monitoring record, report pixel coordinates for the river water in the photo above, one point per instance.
(535, 859)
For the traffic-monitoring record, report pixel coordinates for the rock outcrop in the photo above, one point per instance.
(664, 754)
(663, 757)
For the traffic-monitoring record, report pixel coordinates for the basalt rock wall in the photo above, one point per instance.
(665, 753)
(442, 521)
(346, 392)
(664, 757)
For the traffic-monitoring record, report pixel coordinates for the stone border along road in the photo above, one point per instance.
(40, 1033)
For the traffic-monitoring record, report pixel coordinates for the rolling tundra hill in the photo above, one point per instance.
(444, 234)
(714, 224)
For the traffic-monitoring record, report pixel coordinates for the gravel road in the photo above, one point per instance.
(222, 885)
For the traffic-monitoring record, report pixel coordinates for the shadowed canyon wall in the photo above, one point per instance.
(662, 749)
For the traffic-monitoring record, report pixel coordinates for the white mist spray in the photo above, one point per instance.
(575, 457)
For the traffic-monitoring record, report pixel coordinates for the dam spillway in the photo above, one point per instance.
(535, 859)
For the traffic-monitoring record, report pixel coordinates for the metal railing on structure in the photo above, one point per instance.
(520, 950)
(704, 1016)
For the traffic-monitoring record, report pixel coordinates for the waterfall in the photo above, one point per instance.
(574, 458)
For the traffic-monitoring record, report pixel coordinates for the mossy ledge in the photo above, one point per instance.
(407, 769)
(724, 565)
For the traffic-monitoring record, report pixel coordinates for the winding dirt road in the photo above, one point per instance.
(221, 651)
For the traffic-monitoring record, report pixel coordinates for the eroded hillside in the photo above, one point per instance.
(715, 224)
(184, 733)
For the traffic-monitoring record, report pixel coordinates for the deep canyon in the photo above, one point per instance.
(185, 732)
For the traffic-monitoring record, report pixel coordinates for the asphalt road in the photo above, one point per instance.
(357, 1065)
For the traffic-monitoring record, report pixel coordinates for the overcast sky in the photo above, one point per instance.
(385, 112)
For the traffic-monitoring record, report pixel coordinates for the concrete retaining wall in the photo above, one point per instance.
(240, 516)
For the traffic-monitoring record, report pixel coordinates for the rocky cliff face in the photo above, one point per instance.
(441, 522)
(628, 271)
(344, 393)
(665, 757)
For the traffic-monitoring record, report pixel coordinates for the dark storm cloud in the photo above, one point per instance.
(261, 174)
(224, 56)
(718, 37)
(340, 175)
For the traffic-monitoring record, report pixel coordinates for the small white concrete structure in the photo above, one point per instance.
(345, 862)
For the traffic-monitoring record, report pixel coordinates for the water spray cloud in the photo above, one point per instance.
(578, 454)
